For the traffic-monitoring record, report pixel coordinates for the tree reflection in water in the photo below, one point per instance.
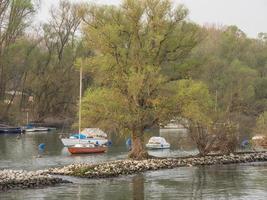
(138, 187)
(227, 181)
(198, 183)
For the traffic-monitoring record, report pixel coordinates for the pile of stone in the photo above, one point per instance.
(125, 167)
(20, 179)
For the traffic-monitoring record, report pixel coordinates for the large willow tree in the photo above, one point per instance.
(134, 44)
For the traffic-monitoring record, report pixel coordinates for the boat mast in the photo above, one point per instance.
(80, 102)
(27, 118)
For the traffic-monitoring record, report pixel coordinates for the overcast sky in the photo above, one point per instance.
(249, 15)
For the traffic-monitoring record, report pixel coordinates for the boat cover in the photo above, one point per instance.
(77, 136)
(258, 137)
(94, 133)
(157, 140)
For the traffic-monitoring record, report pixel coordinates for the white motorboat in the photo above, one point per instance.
(157, 143)
(36, 129)
(88, 135)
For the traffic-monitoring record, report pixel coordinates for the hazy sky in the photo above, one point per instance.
(249, 15)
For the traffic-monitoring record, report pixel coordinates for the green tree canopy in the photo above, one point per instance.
(133, 43)
(261, 124)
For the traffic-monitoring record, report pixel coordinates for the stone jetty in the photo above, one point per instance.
(126, 167)
(20, 179)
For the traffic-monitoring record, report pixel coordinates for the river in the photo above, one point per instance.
(242, 181)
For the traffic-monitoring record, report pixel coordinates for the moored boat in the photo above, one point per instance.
(32, 128)
(259, 141)
(10, 130)
(86, 149)
(79, 148)
(88, 135)
(36, 129)
(72, 141)
(173, 126)
(157, 143)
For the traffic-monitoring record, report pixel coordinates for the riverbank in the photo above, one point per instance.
(19, 179)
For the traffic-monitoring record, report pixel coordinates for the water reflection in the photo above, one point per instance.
(138, 187)
(198, 183)
(178, 140)
(225, 182)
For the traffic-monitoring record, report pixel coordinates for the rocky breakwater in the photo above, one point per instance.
(20, 179)
(126, 167)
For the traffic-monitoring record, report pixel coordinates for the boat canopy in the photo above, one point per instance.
(157, 140)
(94, 133)
(29, 126)
(77, 136)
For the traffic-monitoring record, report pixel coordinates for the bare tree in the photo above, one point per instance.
(14, 15)
(60, 41)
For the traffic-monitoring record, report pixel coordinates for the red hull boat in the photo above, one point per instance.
(85, 150)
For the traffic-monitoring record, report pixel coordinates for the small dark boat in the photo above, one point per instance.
(10, 130)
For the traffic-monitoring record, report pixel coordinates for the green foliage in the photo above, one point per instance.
(260, 88)
(195, 102)
(234, 68)
(103, 105)
(194, 105)
(261, 124)
(134, 56)
(133, 44)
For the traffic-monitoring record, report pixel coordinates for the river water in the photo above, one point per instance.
(243, 181)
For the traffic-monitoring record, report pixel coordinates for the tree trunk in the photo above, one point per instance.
(202, 150)
(2, 83)
(138, 151)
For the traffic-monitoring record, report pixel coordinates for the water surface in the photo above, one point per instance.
(21, 151)
(213, 182)
(244, 181)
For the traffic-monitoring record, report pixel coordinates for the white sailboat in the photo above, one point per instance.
(84, 146)
(88, 135)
